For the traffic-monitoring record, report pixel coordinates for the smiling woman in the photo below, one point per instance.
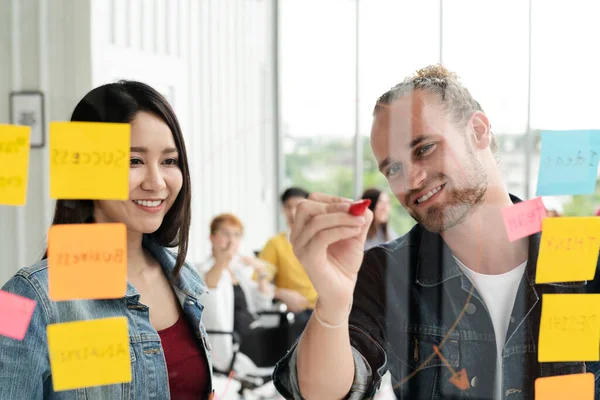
(155, 179)
(154, 129)
(161, 303)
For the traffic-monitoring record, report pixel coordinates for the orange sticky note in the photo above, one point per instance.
(14, 164)
(569, 328)
(561, 387)
(568, 249)
(87, 261)
(524, 219)
(89, 353)
(89, 160)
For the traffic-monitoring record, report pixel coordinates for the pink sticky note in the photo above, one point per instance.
(15, 315)
(524, 219)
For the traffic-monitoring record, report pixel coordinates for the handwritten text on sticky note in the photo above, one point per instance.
(568, 249)
(89, 160)
(15, 315)
(89, 353)
(573, 386)
(524, 219)
(87, 261)
(14, 164)
(569, 328)
(568, 163)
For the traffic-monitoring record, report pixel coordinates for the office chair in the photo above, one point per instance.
(252, 368)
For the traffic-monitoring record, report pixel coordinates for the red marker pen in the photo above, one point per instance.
(359, 207)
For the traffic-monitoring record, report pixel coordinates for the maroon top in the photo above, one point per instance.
(186, 362)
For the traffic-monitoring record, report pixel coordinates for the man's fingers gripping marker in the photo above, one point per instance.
(359, 207)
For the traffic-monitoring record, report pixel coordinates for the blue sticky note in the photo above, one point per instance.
(595, 140)
(568, 163)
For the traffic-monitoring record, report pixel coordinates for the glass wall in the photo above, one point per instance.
(395, 39)
(564, 83)
(528, 64)
(317, 94)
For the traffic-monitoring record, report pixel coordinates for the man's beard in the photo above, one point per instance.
(460, 203)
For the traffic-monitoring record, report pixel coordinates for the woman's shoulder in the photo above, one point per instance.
(192, 277)
(38, 268)
(32, 283)
(35, 276)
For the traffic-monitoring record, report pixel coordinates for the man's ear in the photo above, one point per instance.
(481, 130)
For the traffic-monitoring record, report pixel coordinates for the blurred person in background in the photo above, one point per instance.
(293, 286)
(239, 286)
(380, 232)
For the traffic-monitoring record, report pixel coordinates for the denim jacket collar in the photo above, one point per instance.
(436, 264)
(188, 284)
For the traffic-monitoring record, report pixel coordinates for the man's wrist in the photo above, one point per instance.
(332, 315)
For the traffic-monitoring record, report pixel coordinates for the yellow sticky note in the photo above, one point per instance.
(89, 353)
(89, 160)
(569, 328)
(574, 386)
(568, 249)
(14, 164)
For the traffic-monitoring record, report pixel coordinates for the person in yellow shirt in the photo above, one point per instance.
(293, 287)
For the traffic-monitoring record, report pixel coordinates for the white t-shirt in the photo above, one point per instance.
(498, 293)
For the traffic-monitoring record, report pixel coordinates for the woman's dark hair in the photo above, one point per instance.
(373, 195)
(120, 102)
(293, 192)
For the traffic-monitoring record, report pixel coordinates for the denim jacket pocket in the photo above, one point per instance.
(420, 371)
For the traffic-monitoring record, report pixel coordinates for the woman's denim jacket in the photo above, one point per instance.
(24, 365)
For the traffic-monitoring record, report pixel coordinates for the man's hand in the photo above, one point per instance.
(329, 242)
(223, 256)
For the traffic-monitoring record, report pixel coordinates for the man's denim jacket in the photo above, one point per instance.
(24, 365)
(409, 294)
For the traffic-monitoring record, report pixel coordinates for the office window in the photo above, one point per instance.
(317, 94)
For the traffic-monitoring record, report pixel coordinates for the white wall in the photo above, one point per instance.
(213, 60)
(44, 47)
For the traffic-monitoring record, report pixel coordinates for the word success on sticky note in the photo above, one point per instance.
(568, 249)
(87, 261)
(524, 219)
(561, 387)
(89, 353)
(568, 163)
(15, 315)
(89, 160)
(569, 328)
(14, 164)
